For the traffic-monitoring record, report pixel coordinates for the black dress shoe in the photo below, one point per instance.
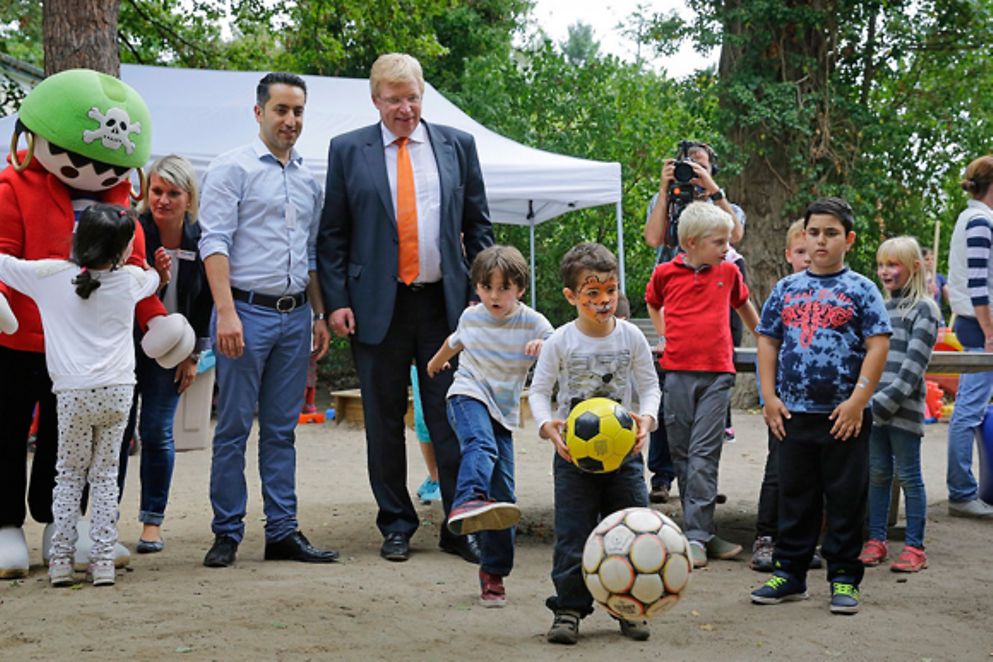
(395, 547)
(221, 553)
(296, 547)
(465, 546)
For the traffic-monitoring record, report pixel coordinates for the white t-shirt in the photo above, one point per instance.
(613, 366)
(88, 342)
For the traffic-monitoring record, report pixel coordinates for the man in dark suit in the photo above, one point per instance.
(404, 215)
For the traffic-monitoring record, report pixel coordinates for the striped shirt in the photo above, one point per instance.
(493, 365)
(970, 269)
(899, 398)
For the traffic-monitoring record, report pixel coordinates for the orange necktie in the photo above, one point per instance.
(406, 214)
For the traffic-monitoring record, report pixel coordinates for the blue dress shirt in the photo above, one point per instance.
(263, 216)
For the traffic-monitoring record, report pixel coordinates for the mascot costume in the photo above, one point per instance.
(85, 132)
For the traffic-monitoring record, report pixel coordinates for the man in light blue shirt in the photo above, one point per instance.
(260, 214)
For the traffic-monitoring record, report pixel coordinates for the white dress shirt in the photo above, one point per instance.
(428, 188)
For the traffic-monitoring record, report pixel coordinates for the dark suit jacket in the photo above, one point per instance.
(194, 300)
(357, 245)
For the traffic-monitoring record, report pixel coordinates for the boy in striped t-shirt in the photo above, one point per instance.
(499, 340)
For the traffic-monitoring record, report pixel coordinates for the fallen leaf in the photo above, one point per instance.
(707, 627)
(278, 625)
(184, 649)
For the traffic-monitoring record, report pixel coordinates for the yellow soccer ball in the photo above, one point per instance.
(599, 433)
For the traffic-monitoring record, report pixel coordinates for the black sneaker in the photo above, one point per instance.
(565, 627)
(845, 597)
(781, 587)
(636, 630)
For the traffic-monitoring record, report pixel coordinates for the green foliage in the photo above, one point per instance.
(580, 46)
(605, 110)
(883, 103)
(20, 30)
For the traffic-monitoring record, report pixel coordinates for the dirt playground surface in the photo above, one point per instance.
(169, 606)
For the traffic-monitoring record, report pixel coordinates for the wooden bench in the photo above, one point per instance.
(348, 407)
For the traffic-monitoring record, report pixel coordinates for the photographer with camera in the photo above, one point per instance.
(687, 178)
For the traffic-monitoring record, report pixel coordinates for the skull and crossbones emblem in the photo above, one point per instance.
(114, 129)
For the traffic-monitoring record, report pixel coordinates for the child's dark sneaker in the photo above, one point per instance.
(565, 627)
(698, 554)
(911, 559)
(636, 630)
(491, 590)
(659, 493)
(873, 553)
(481, 515)
(762, 550)
(781, 587)
(845, 597)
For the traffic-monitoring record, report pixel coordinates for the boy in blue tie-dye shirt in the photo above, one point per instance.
(823, 340)
(499, 339)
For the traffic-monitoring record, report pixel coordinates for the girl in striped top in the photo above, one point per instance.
(898, 404)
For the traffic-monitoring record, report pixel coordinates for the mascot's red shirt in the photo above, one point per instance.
(36, 222)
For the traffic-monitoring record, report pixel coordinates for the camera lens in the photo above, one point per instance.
(683, 172)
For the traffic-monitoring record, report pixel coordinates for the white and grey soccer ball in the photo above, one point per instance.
(636, 563)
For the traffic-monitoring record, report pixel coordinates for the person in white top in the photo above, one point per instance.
(597, 355)
(87, 312)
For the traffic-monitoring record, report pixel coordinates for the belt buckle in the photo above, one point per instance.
(416, 287)
(286, 303)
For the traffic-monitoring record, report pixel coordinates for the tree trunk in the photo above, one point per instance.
(81, 34)
(769, 186)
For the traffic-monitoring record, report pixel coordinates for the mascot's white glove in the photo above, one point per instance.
(8, 323)
(169, 340)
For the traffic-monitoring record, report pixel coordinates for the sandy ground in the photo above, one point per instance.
(168, 606)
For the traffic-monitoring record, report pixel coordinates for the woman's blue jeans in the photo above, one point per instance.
(159, 400)
(486, 472)
(888, 446)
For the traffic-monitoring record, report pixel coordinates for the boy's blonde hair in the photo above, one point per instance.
(395, 68)
(796, 230)
(700, 220)
(907, 252)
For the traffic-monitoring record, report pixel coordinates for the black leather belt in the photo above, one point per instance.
(283, 304)
(417, 287)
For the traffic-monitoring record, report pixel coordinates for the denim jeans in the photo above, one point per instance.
(581, 500)
(159, 400)
(659, 459)
(486, 471)
(971, 401)
(272, 374)
(886, 445)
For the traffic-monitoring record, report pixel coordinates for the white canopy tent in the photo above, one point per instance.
(201, 113)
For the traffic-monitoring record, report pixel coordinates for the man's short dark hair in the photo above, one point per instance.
(586, 257)
(274, 78)
(836, 207)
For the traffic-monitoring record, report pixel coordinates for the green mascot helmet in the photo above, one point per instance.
(91, 114)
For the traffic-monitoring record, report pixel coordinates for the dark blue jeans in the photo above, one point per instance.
(581, 500)
(159, 400)
(659, 459)
(486, 471)
(889, 446)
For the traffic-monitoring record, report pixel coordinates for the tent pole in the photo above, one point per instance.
(531, 236)
(620, 245)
